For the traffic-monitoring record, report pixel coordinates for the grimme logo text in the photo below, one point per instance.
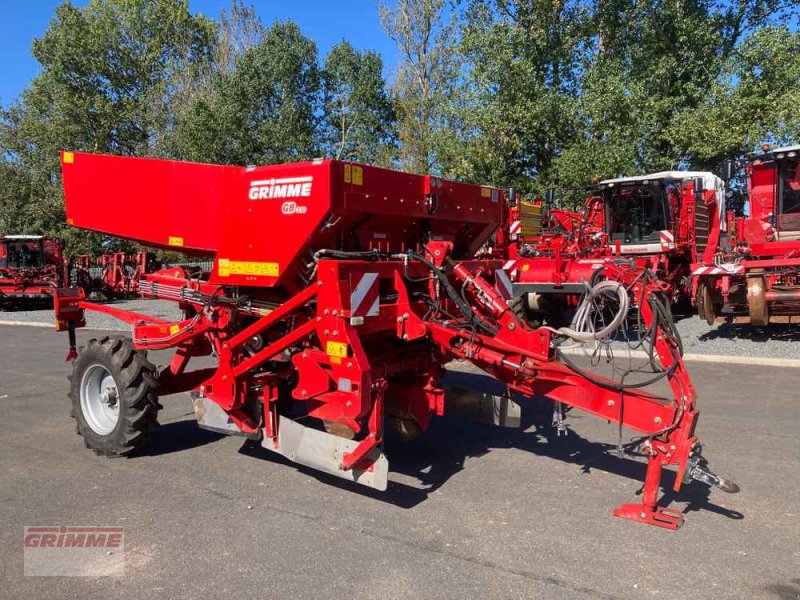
(287, 187)
(73, 537)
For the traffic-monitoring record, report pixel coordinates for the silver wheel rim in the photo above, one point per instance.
(100, 399)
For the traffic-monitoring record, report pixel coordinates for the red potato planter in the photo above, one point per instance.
(338, 293)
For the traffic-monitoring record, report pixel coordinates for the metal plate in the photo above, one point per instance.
(323, 451)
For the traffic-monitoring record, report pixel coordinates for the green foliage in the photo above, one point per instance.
(555, 92)
(358, 118)
(756, 99)
(103, 88)
(525, 93)
(263, 110)
(426, 79)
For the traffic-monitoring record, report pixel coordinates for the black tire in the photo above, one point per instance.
(519, 307)
(135, 390)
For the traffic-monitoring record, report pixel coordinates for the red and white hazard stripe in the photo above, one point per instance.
(510, 266)
(365, 295)
(667, 240)
(515, 227)
(721, 270)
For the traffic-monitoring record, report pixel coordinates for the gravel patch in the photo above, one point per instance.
(730, 339)
(740, 339)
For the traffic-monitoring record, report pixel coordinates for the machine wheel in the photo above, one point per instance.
(113, 394)
(705, 304)
(519, 307)
(757, 302)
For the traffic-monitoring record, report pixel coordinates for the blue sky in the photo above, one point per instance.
(326, 22)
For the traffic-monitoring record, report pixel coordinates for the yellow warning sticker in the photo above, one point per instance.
(227, 267)
(69, 158)
(175, 241)
(347, 176)
(336, 349)
(358, 175)
(486, 192)
(173, 329)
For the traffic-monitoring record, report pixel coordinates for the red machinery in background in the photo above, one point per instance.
(119, 273)
(338, 293)
(31, 267)
(758, 274)
(662, 223)
(122, 271)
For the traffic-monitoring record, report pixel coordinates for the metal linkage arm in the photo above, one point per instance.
(525, 360)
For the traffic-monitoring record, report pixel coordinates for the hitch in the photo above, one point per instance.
(697, 469)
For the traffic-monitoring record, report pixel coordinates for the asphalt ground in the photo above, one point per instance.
(472, 511)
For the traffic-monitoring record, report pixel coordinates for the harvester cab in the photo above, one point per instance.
(23, 252)
(774, 186)
(758, 274)
(664, 213)
(338, 294)
(31, 266)
(659, 222)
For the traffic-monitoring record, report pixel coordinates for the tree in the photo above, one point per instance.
(425, 80)
(555, 92)
(103, 87)
(523, 67)
(358, 119)
(262, 111)
(754, 100)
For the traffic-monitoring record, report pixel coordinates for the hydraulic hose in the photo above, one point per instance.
(582, 328)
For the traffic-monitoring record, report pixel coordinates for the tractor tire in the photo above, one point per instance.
(113, 390)
(519, 307)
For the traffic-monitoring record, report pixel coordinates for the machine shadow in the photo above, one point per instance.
(442, 451)
(178, 436)
(742, 331)
(784, 591)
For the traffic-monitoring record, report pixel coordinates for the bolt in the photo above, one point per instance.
(335, 334)
(643, 514)
(348, 403)
(512, 326)
(672, 447)
(657, 420)
(326, 312)
(349, 365)
(304, 393)
(610, 403)
(335, 313)
(305, 354)
(405, 315)
(399, 319)
(405, 336)
(326, 332)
